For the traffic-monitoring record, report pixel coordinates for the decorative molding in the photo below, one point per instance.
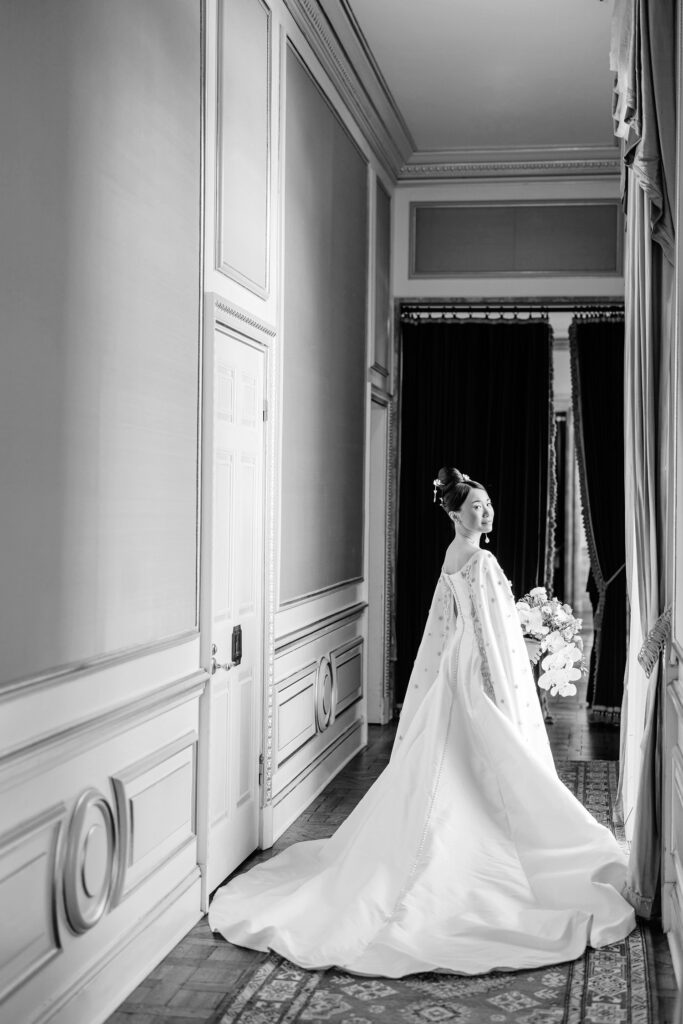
(222, 265)
(271, 554)
(389, 557)
(73, 670)
(510, 169)
(89, 869)
(446, 206)
(15, 971)
(324, 754)
(325, 695)
(313, 630)
(339, 657)
(391, 144)
(56, 747)
(370, 58)
(295, 602)
(125, 815)
(143, 924)
(237, 319)
(290, 688)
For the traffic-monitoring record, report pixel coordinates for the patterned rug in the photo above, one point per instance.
(614, 985)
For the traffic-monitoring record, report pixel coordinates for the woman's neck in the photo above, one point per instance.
(468, 540)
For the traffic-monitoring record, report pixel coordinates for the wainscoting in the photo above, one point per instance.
(98, 836)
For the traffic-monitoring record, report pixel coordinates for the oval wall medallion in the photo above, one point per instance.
(90, 860)
(324, 695)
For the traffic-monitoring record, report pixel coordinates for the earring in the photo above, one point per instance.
(486, 539)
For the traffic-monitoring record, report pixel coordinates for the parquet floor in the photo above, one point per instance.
(191, 983)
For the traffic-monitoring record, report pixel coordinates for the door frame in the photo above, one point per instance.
(243, 327)
(380, 692)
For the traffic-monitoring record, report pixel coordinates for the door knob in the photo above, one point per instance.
(215, 665)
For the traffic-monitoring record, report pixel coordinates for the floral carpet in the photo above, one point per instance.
(614, 985)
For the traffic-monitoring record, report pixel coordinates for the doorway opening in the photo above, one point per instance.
(561, 563)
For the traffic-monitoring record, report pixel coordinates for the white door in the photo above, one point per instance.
(231, 602)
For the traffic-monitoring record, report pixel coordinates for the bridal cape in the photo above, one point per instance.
(468, 853)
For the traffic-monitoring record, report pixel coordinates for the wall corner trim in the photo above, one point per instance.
(356, 77)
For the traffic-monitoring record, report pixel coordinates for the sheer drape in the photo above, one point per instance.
(477, 395)
(597, 361)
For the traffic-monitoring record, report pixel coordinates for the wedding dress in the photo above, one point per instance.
(468, 853)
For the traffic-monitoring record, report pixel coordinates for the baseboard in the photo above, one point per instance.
(289, 806)
(97, 995)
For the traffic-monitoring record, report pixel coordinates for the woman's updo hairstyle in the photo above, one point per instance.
(451, 487)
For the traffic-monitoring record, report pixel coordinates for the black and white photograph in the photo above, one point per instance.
(341, 552)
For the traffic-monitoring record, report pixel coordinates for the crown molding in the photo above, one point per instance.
(335, 37)
(512, 162)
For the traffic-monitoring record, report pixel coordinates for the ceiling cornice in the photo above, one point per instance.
(512, 162)
(338, 43)
(510, 169)
(337, 40)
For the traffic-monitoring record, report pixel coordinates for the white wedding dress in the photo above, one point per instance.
(468, 853)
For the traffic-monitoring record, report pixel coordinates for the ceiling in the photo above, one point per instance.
(478, 77)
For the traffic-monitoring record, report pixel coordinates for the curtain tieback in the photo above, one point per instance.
(655, 642)
(615, 574)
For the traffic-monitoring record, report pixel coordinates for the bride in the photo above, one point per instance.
(468, 854)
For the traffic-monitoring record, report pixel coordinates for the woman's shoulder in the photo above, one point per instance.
(480, 557)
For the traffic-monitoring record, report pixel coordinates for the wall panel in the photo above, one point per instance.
(244, 114)
(28, 937)
(100, 115)
(324, 363)
(382, 333)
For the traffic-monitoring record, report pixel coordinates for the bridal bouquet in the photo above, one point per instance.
(552, 623)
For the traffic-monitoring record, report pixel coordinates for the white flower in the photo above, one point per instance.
(554, 641)
(558, 680)
(530, 619)
(539, 592)
(562, 659)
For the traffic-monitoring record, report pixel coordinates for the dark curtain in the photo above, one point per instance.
(475, 394)
(597, 359)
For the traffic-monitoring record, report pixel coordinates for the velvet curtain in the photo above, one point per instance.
(597, 361)
(476, 394)
(643, 59)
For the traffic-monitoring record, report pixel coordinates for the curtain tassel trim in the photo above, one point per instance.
(641, 904)
(655, 642)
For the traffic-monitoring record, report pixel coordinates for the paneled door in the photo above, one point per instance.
(231, 604)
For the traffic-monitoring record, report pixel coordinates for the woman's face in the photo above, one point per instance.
(476, 512)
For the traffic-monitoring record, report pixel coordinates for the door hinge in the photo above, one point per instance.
(265, 409)
(260, 769)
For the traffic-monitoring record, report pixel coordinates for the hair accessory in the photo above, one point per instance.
(465, 477)
(436, 483)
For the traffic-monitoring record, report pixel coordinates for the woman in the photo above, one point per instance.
(468, 854)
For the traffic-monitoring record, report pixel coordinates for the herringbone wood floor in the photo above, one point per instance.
(192, 981)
